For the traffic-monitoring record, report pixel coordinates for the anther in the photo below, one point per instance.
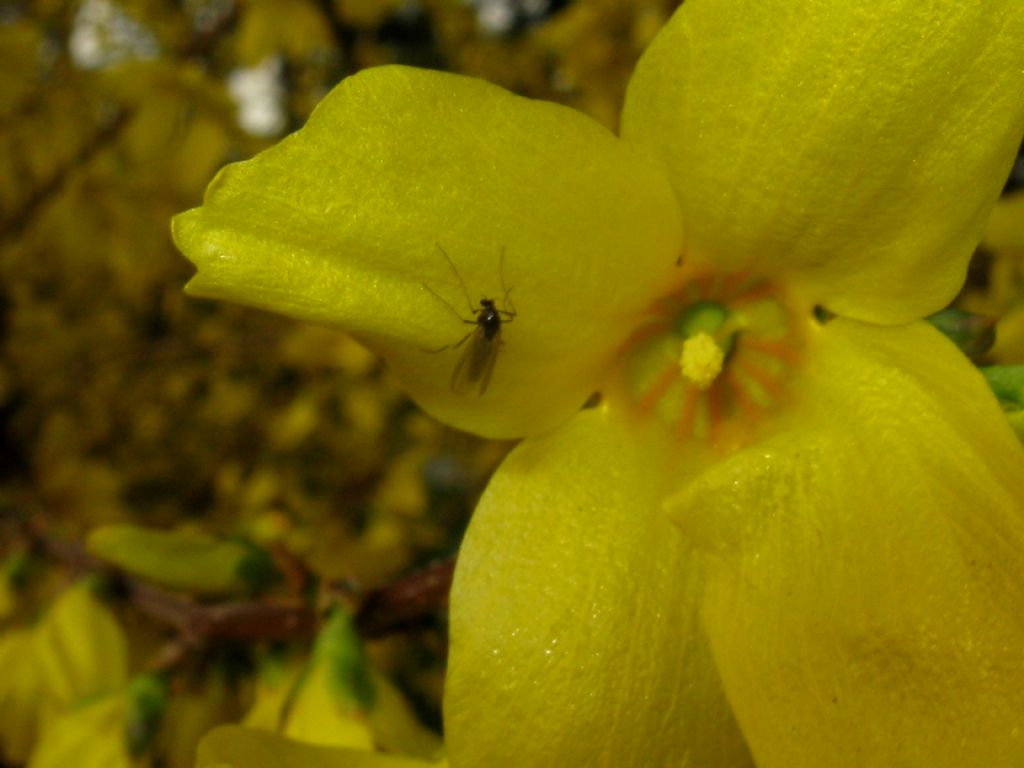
(701, 360)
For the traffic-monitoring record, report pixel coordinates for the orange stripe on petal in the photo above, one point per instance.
(661, 385)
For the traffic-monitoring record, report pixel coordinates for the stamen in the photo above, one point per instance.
(701, 360)
(713, 360)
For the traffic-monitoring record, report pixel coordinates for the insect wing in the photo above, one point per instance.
(475, 365)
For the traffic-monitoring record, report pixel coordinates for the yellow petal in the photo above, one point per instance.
(865, 601)
(539, 208)
(233, 746)
(342, 701)
(20, 699)
(90, 736)
(315, 717)
(574, 631)
(80, 648)
(275, 686)
(394, 724)
(858, 145)
(328, 707)
(190, 714)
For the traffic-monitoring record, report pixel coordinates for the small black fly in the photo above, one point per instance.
(476, 363)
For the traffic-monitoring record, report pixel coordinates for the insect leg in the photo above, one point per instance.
(456, 345)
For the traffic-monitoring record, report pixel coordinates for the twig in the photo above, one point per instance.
(407, 603)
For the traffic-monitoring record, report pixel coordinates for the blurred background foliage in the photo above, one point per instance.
(122, 402)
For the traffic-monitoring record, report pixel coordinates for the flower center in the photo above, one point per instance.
(713, 359)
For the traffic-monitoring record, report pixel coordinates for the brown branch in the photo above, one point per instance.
(407, 603)
(199, 623)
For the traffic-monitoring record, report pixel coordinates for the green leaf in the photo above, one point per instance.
(185, 559)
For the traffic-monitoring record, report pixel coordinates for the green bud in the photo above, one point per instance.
(147, 700)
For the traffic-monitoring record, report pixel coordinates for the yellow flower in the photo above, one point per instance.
(338, 700)
(341, 700)
(77, 652)
(810, 556)
(91, 735)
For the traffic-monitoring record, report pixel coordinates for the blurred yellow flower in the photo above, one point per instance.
(76, 652)
(336, 700)
(90, 736)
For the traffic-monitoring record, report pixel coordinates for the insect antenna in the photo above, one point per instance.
(507, 299)
(455, 312)
(447, 303)
(451, 264)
